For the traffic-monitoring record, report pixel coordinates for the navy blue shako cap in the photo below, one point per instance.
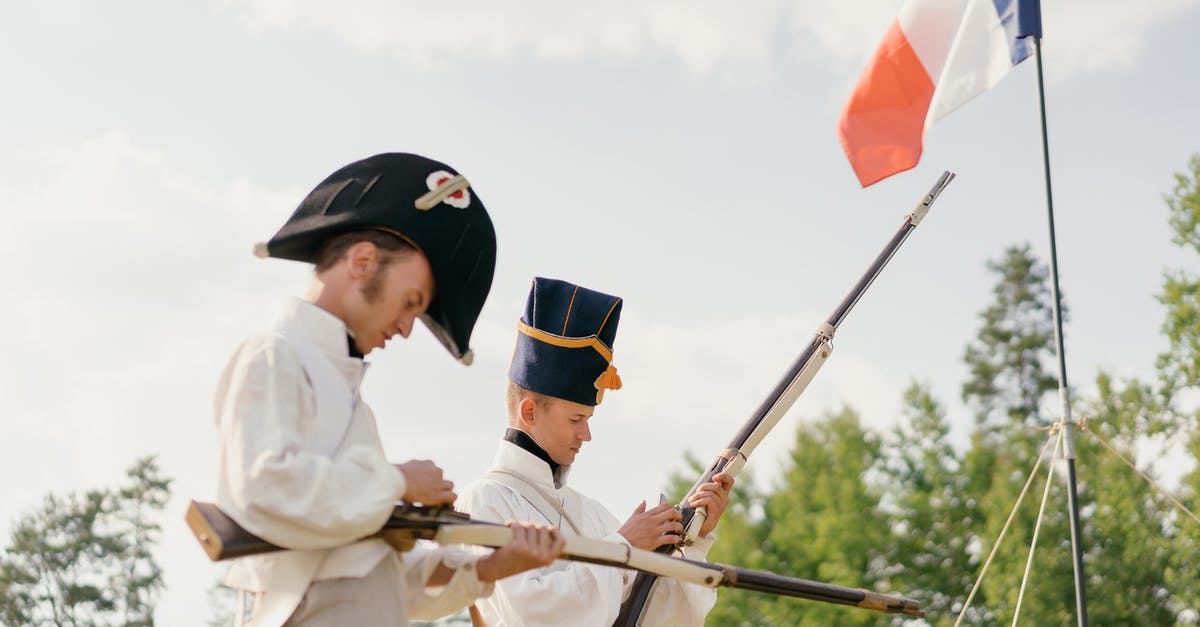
(565, 342)
(424, 202)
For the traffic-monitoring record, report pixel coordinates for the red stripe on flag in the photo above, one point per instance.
(884, 120)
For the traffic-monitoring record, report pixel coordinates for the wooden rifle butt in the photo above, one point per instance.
(220, 536)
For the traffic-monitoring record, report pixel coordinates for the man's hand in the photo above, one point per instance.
(425, 484)
(532, 546)
(713, 495)
(650, 529)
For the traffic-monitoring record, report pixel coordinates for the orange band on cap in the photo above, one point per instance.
(566, 342)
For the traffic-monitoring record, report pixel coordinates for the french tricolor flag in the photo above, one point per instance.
(937, 55)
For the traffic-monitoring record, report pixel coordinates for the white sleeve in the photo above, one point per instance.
(564, 592)
(430, 603)
(270, 482)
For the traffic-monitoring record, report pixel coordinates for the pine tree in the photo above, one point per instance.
(1007, 384)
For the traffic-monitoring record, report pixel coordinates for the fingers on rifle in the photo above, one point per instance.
(724, 480)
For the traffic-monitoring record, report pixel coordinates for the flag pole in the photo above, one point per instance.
(1064, 393)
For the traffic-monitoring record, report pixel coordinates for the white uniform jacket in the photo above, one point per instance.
(565, 592)
(301, 465)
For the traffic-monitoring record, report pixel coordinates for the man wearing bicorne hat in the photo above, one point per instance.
(393, 238)
(560, 371)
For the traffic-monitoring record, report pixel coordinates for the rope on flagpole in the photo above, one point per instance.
(1003, 531)
(1036, 528)
(1083, 427)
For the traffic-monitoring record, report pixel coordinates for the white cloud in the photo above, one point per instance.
(705, 36)
(1087, 35)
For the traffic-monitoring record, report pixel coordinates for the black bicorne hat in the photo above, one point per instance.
(565, 342)
(422, 201)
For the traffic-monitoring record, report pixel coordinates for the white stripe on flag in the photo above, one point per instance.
(978, 59)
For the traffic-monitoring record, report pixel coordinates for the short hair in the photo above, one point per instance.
(391, 247)
(515, 393)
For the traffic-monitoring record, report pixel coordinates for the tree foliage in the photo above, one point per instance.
(911, 513)
(1179, 372)
(1008, 379)
(86, 558)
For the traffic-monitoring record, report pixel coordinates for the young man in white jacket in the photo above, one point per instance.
(560, 370)
(393, 238)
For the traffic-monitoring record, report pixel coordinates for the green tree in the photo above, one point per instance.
(823, 521)
(1007, 377)
(740, 539)
(927, 509)
(86, 558)
(820, 521)
(1179, 371)
(1007, 383)
(1126, 532)
(1179, 366)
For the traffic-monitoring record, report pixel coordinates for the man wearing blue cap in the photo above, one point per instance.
(394, 237)
(560, 370)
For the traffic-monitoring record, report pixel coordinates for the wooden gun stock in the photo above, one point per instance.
(221, 537)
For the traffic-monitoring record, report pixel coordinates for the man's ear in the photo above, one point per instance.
(363, 258)
(525, 411)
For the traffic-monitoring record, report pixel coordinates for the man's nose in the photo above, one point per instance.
(405, 325)
(585, 433)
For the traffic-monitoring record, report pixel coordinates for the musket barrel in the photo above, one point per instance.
(784, 393)
(828, 593)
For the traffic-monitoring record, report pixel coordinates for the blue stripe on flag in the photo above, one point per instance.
(1021, 19)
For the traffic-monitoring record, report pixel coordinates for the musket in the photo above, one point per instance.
(733, 458)
(222, 538)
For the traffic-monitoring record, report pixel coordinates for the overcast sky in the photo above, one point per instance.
(681, 154)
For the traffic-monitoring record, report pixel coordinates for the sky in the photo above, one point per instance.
(679, 154)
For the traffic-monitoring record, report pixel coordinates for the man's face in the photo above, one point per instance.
(561, 427)
(387, 301)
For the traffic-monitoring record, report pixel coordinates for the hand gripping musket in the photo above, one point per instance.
(222, 538)
(731, 460)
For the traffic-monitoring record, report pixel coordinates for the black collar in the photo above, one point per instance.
(525, 441)
(353, 348)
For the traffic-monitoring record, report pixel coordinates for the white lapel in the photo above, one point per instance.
(319, 339)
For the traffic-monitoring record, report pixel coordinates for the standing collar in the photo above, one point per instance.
(306, 321)
(352, 348)
(312, 323)
(513, 458)
(526, 441)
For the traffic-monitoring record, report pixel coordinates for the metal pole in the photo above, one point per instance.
(1064, 393)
